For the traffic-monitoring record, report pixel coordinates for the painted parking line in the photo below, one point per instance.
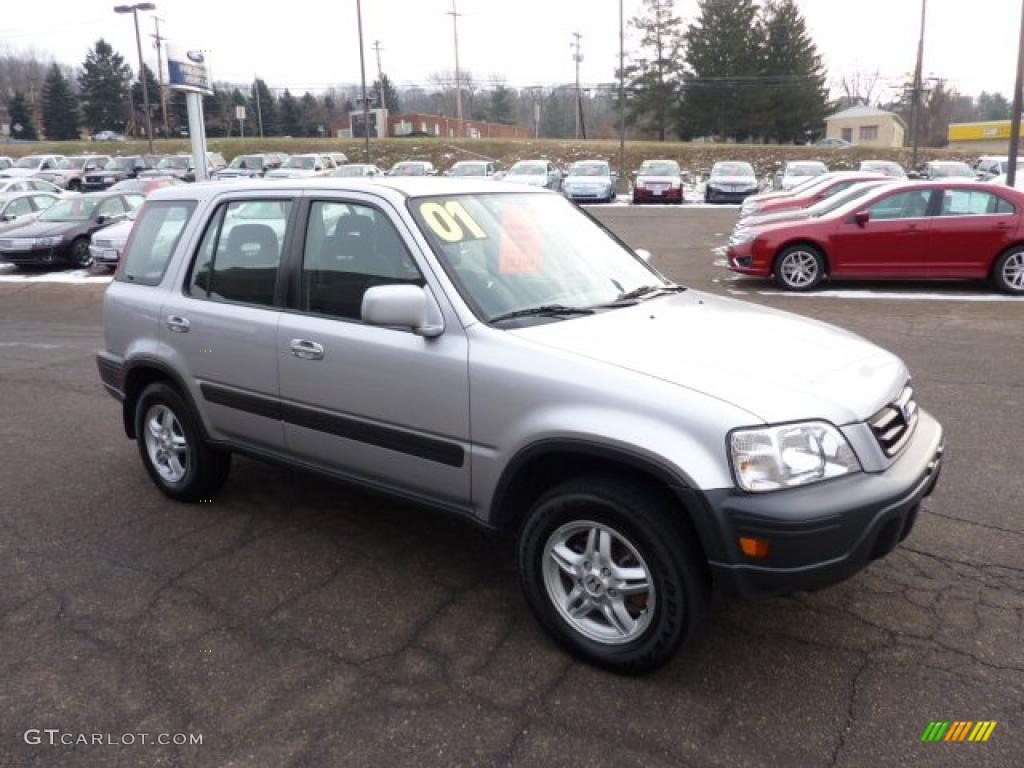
(74, 276)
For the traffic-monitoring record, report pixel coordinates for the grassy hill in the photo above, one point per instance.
(443, 152)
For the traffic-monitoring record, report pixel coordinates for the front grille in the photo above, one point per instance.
(894, 424)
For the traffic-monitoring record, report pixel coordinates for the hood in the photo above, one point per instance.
(118, 231)
(717, 346)
(18, 173)
(643, 178)
(533, 180)
(291, 173)
(36, 228)
(737, 181)
(586, 181)
(762, 220)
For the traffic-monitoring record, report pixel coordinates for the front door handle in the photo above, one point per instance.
(307, 350)
(177, 323)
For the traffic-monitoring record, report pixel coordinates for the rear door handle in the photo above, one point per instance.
(177, 323)
(307, 350)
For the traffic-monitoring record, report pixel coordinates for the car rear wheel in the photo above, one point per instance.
(800, 268)
(1008, 272)
(80, 252)
(172, 448)
(609, 575)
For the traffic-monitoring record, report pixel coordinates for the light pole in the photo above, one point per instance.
(1018, 105)
(362, 73)
(259, 109)
(915, 103)
(134, 11)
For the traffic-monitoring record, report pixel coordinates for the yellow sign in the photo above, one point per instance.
(997, 129)
(451, 221)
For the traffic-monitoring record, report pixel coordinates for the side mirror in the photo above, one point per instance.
(643, 253)
(8, 217)
(102, 219)
(403, 306)
(862, 217)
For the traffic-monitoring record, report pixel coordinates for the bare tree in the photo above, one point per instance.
(862, 88)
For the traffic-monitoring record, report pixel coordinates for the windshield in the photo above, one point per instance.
(121, 164)
(952, 169)
(805, 169)
(304, 163)
(74, 209)
(175, 163)
(29, 161)
(509, 252)
(589, 169)
(247, 162)
(659, 168)
(408, 169)
(468, 169)
(733, 169)
(72, 163)
(528, 169)
(834, 203)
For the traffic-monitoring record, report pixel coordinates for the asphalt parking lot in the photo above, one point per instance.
(294, 622)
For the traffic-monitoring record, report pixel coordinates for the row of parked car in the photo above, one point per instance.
(866, 225)
(988, 168)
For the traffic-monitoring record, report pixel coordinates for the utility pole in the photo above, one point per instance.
(458, 76)
(362, 73)
(915, 103)
(577, 56)
(259, 109)
(158, 42)
(622, 97)
(1018, 105)
(134, 11)
(380, 74)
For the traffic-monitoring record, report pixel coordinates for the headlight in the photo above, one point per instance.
(770, 458)
(48, 242)
(742, 237)
(108, 179)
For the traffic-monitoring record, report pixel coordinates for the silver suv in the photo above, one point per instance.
(489, 350)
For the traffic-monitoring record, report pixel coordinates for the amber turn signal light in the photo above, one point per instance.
(752, 547)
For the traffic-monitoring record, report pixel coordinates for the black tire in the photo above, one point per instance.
(1008, 272)
(74, 185)
(206, 468)
(666, 547)
(79, 250)
(806, 256)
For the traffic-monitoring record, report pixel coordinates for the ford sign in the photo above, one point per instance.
(187, 69)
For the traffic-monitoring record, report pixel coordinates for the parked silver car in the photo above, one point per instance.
(590, 181)
(71, 170)
(615, 430)
(535, 173)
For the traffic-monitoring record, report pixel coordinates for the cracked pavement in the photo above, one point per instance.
(296, 622)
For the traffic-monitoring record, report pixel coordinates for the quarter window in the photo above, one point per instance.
(905, 205)
(350, 248)
(153, 240)
(240, 254)
(111, 207)
(965, 202)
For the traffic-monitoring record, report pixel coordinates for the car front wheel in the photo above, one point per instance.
(610, 575)
(172, 448)
(800, 268)
(80, 252)
(1009, 272)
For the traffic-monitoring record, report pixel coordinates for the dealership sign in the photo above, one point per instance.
(187, 70)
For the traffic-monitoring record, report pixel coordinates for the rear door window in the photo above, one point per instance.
(154, 238)
(967, 202)
(240, 254)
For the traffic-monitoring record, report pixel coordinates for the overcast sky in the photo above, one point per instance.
(309, 44)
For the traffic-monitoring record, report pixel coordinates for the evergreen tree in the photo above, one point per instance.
(152, 90)
(20, 114)
(60, 107)
(103, 83)
(993, 106)
(309, 115)
(291, 118)
(267, 108)
(652, 78)
(215, 117)
(501, 105)
(724, 57)
(384, 95)
(793, 100)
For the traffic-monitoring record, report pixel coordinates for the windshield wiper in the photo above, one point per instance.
(546, 309)
(644, 291)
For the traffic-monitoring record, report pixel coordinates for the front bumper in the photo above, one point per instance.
(42, 256)
(581, 196)
(104, 255)
(713, 195)
(820, 534)
(664, 196)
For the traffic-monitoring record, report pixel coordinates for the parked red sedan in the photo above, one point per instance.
(814, 193)
(902, 230)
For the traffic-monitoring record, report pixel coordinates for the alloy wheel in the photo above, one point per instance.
(1013, 271)
(166, 444)
(799, 268)
(598, 582)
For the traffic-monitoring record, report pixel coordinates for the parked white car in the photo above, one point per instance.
(30, 165)
(795, 173)
(302, 167)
